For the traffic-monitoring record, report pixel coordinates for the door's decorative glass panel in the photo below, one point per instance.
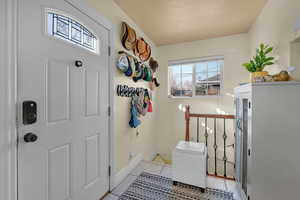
(61, 26)
(88, 38)
(72, 31)
(76, 32)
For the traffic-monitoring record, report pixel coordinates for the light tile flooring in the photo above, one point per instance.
(166, 171)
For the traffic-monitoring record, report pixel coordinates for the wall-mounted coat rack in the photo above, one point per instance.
(126, 91)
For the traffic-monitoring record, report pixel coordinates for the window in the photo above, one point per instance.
(71, 31)
(196, 78)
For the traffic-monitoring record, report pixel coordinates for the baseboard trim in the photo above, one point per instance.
(123, 173)
(151, 157)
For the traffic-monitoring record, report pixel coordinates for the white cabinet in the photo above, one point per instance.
(268, 140)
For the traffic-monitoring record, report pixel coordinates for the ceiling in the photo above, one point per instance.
(176, 21)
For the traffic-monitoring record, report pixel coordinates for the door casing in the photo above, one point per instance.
(8, 93)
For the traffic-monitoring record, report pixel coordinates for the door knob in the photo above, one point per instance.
(30, 137)
(78, 63)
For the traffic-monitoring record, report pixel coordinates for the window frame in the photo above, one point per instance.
(194, 61)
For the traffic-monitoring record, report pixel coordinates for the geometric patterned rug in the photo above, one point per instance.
(154, 187)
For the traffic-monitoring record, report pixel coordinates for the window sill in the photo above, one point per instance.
(196, 97)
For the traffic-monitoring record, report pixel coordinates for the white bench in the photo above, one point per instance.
(189, 164)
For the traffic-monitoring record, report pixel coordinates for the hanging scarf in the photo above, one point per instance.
(134, 121)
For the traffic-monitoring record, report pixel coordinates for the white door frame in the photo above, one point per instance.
(8, 92)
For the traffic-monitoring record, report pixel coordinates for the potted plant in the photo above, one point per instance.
(259, 62)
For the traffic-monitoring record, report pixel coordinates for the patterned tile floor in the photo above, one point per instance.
(166, 171)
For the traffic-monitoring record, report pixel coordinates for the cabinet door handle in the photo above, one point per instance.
(238, 124)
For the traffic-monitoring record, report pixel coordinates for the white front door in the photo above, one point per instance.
(66, 152)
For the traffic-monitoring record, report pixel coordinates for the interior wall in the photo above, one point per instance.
(162, 129)
(295, 57)
(171, 122)
(126, 140)
(275, 26)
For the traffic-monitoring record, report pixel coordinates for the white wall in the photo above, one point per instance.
(275, 26)
(171, 123)
(126, 140)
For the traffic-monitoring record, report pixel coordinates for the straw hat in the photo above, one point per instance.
(146, 54)
(140, 47)
(128, 36)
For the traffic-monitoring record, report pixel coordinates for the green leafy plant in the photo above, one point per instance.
(260, 60)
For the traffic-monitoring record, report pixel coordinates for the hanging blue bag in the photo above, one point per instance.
(134, 121)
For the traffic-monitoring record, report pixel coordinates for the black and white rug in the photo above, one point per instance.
(154, 187)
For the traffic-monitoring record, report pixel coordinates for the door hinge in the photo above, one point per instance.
(249, 105)
(109, 50)
(109, 170)
(249, 152)
(109, 111)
